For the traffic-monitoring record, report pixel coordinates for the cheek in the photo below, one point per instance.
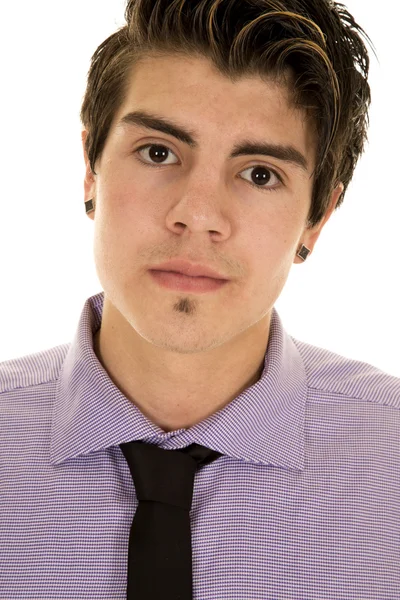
(120, 203)
(273, 246)
(273, 237)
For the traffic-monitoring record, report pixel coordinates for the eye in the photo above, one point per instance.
(261, 173)
(158, 154)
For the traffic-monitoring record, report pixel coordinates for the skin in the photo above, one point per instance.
(180, 356)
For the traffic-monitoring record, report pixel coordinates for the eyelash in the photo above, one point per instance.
(274, 189)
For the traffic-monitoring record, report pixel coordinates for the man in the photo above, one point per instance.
(208, 175)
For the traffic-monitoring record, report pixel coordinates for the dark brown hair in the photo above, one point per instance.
(317, 41)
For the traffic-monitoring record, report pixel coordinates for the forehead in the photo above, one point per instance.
(191, 90)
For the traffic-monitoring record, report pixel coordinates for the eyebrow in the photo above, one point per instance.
(245, 147)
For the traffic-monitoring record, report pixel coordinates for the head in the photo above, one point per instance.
(290, 73)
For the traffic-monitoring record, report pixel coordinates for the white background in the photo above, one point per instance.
(345, 298)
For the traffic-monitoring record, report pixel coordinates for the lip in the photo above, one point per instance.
(185, 283)
(190, 269)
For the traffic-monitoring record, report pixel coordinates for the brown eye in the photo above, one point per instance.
(156, 152)
(262, 175)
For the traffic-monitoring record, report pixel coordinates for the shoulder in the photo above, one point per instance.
(33, 369)
(331, 373)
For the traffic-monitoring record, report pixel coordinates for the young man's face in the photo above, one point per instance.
(198, 204)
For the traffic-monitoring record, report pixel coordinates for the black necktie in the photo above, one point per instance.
(160, 545)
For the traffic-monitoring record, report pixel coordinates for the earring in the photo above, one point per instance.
(303, 252)
(89, 206)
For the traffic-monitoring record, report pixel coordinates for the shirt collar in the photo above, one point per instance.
(264, 424)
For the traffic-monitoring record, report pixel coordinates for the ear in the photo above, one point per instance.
(310, 236)
(90, 181)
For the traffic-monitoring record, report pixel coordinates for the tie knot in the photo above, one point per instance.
(165, 476)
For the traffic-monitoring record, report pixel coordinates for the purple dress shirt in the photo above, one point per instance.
(304, 504)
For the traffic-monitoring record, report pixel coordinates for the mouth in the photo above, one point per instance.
(185, 283)
(188, 268)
